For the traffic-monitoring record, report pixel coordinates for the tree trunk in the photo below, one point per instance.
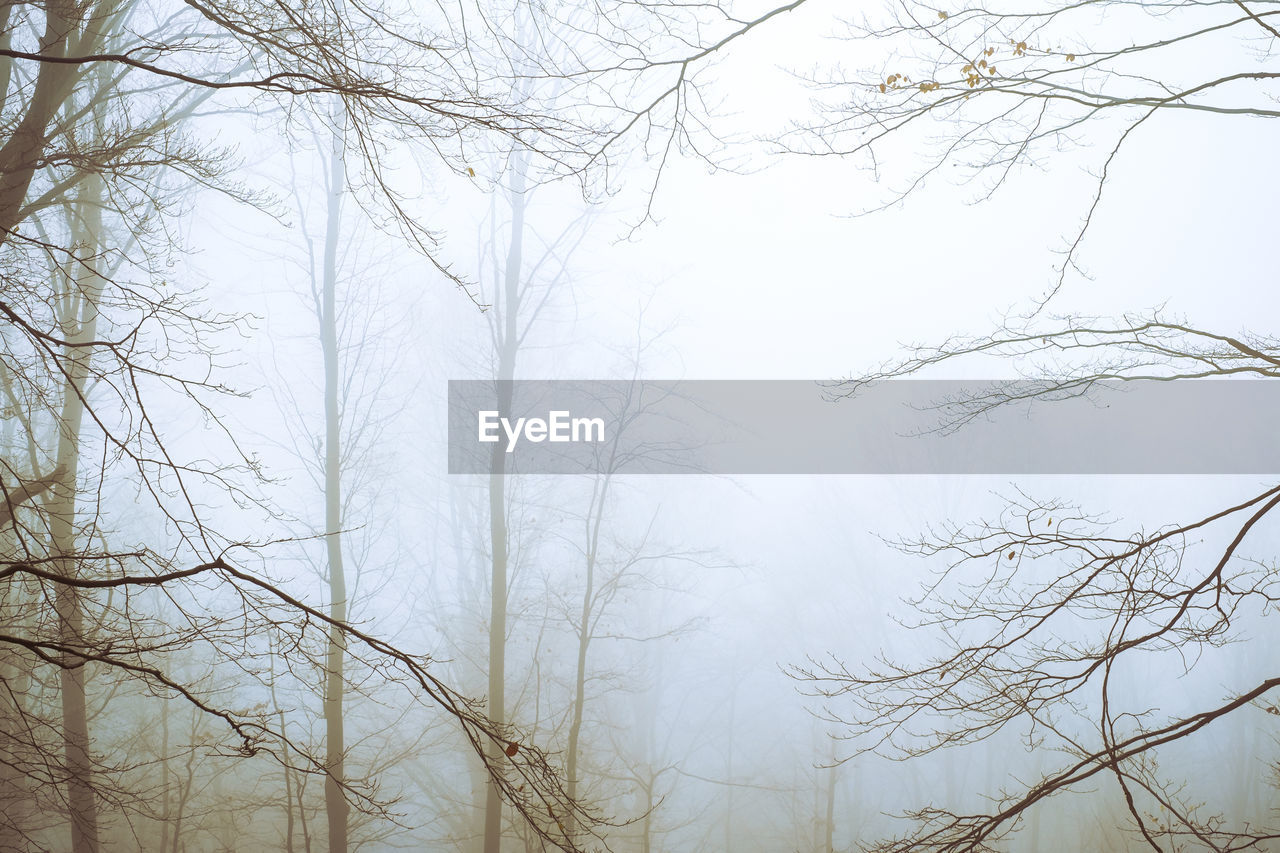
(580, 681)
(164, 777)
(646, 826)
(79, 324)
(584, 640)
(21, 154)
(335, 802)
(728, 764)
(829, 824)
(497, 634)
(497, 500)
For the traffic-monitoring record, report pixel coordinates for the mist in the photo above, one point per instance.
(265, 587)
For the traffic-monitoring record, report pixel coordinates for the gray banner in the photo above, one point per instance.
(891, 427)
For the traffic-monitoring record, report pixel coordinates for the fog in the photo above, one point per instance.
(245, 603)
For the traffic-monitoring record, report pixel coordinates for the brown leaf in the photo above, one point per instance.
(512, 749)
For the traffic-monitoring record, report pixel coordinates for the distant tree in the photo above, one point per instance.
(351, 404)
(615, 568)
(519, 287)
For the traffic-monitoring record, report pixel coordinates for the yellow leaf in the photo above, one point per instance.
(1071, 57)
(471, 171)
(942, 16)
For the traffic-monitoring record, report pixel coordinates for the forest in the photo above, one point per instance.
(250, 600)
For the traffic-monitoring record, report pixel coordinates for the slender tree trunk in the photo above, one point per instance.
(336, 807)
(580, 681)
(728, 764)
(300, 784)
(79, 324)
(829, 823)
(497, 500)
(185, 786)
(646, 825)
(284, 751)
(497, 634)
(584, 639)
(288, 791)
(16, 788)
(164, 777)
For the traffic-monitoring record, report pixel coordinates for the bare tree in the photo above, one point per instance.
(1041, 611)
(614, 566)
(101, 350)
